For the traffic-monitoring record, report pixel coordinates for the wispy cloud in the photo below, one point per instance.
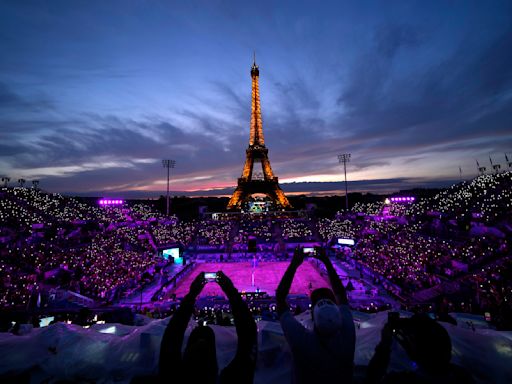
(412, 93)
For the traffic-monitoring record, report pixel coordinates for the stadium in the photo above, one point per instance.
(78, 268)
(106, 278)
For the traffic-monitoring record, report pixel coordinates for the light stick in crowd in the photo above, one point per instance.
(168, 164)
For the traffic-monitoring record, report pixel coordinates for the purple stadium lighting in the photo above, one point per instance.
(110, 202)
(409, 199)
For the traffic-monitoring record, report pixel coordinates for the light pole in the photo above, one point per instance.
(168, 164)
(345, 158)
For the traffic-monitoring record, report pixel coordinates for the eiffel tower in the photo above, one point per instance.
(257, 175)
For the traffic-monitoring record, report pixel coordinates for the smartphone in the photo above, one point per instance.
(309, 250)
(45, 321)
(210, 276)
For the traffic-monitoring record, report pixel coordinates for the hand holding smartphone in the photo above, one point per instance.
(210, 276)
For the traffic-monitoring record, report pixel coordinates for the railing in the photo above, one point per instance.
(75, 297)
(171, 284)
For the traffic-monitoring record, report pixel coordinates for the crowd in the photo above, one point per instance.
(331, 229)
(51, 242)
(488, 197)
(297, 230)
(262, 230)
(321, 353)
(180, 232)
(54, 242)
(212, 232)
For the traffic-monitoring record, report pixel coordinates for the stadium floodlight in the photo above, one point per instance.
(345, 158)
(168, 164)
(21, 182)
(35, 184)
(481, 170)
(495, 166)
(509, 163)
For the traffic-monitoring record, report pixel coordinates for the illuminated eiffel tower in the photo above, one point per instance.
(257, 175)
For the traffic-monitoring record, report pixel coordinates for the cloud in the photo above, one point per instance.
(11, 101)
(380, 186)
(403, 94)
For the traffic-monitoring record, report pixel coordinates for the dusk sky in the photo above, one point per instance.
(94, 94)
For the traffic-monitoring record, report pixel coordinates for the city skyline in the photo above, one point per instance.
(94, 95)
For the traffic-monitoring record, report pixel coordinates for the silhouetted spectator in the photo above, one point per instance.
(199, 361)
(427, 344)
(326, 353)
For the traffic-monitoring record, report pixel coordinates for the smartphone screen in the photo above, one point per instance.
(210, 276)
(45, 321)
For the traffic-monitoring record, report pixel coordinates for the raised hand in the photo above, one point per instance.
(198, 284)
(298, 257)
(224, 281)
(320, 254)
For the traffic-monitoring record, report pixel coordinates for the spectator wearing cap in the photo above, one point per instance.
(324, 354)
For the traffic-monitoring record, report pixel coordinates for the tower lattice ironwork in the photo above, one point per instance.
(257, 175)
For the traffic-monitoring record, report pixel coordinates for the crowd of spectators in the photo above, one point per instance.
(488, 197)
(332, 228)
(180, 232)
(49, 241)
(54, 242)
(297, 230)
(262, 230)
(213, 232)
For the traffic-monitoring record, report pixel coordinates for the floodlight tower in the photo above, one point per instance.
(35, 184)
(168, 164)
(6, 180)
(481, 170)
(21, 182)
(496, 167)
(345, 158)
(509, 163)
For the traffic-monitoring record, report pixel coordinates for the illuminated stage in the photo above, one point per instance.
(267, 276)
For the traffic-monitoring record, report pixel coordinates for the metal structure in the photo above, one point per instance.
(345, 158)
(168, 164)
(495, 166)
(6, 180)
(481, 170)
(509, 163)
(257, 175)
(21, 182)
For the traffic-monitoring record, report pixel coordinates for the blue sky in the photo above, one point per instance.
(93, 94)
